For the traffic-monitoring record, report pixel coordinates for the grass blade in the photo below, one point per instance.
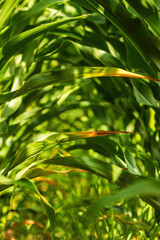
(26, 183)
(18, 42)
(149, 13)
(66, 75)
(7, 9)
(145, 189)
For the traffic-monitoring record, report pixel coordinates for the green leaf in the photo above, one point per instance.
(5, 182)
(131, 163)
(94, 166)
(130, 26)
(6, 97)
(67, 75)
(26, 183)
(11, 107)
(94, 56)
(149, 13)
(7, 8)
(28, 151)
(19, 41)
(109, 147)
(144, 94)
(21, 20)
(149, 163)
(3, 127)
(157, 4)
(135, 59)
(35, 148)
(145, 189)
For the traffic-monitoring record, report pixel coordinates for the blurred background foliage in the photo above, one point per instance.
(57, 185)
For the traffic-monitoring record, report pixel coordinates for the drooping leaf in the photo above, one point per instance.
(35, 148)
(19, 41)
(36, 172)
(95, 166)
(66, 75)
(149, 13)
(144, 94)
(145, 189)
(88, 134)
(131, 163)
(26, 183)
(131, 27)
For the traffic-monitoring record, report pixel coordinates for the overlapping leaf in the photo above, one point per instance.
(19, 41)
(66, 75)
(35, 148)
(27, 184)
(149, 13)
(130, 26)
(142, 188)
(51, 52)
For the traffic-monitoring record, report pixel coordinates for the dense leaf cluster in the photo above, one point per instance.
(78, 79)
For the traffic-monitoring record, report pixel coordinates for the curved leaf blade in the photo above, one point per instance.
(144, 189)
(45, 79)
(7, 8)
(19, 41)
(26, 183)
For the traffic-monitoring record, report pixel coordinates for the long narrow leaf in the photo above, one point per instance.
(26, 183)
(35, 148)
(7, 8)
(133, 30)
(18, 42)
(149, 13)
(67, 75)
(145, 188)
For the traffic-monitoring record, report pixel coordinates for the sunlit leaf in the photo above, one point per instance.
(149, 13)
(142, 188)
(66, 75)
(18, 42)
(7, 8)
(26, 183)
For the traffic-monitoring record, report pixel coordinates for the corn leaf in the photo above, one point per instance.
(66, 75)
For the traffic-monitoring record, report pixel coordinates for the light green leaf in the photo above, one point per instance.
(67, 75)
(19, 41)
(131, 163)
(144, 94)
(95, 166)
(5, 182)
(22, 19)
(26, 183)
(7, 8)
(142, 188)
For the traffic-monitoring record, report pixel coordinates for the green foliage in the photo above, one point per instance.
(79, 119)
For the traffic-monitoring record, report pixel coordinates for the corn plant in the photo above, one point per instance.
(79, 84)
